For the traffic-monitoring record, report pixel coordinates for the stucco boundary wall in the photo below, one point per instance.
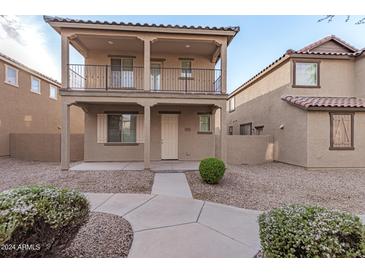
(250, 149)
(44, 147)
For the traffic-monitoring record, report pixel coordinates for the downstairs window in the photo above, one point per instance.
(122, 128)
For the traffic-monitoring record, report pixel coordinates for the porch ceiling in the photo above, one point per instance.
(183, 47)
(130, 44)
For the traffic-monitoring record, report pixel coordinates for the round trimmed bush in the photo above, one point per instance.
(212, 170)
(298, 231)
(39, 221)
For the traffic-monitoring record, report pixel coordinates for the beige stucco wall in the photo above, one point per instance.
(191, 145)
(249, 150)
(271, 112)
(261, 104)
(22, 111)
(318, 134)
(360, 76)
(44, 147)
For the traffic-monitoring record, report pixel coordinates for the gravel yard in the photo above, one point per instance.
(15, 173)
(271, 185)
(103, 236)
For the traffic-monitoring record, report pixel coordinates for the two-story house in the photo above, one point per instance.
(149, 92)
(311, 101)
(30, 106)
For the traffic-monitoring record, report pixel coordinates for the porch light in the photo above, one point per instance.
(187, 46)
(110, 42)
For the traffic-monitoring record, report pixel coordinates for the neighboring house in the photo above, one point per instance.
(312, 101)
(29, 104)
(149, 92)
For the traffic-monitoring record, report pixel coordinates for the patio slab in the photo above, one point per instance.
(164, 211)
(100, 166)
(236, 223)
(157, 166)
(171, 184)
(186, 241)
(122, 203)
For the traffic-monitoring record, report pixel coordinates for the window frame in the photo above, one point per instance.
(258, 128)
(121, 134)
(209, 131)
(232, 99)
(56, 94)
(31, 84)
(295, 62)
(352, 114)
(16, 84)
(246, 124)
(188, 75)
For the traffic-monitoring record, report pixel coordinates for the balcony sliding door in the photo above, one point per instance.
(122, 73)
(155, 76)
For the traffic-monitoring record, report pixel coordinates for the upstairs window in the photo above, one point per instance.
(11, 75)
(52, 92)
(186, 68)
(246, 129)
(35, 85)
(342, 131)
(306, 74)
(204, 123)
(230, 130)
(231, 104)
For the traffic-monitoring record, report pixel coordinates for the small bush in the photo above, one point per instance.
(211, 170)
(39, 221)
(310, 231)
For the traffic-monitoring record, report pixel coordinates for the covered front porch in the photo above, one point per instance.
(148, 131)
(156, 166)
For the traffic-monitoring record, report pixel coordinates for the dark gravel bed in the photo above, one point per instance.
(103, 236)
(15, 173)
(267, 186)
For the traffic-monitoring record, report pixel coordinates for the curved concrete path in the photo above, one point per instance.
(166, 226)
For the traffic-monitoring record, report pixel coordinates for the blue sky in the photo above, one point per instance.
(262, 39)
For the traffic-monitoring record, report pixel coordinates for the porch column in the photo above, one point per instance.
(147, 64)
(65, 59)
(147, 136)
(223, 133)
(224, 66)
(65, 137)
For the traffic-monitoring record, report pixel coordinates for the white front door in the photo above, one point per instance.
(169, 136)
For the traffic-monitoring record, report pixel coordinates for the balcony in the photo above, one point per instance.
(117, 78)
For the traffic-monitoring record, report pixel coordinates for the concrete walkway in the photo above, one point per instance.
(156, 166)
(171, 184)
(166, 226)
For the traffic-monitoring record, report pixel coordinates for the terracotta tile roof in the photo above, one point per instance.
(311, 46)
(308, 102)
(68, 20)
(304, 51)
(28, 69)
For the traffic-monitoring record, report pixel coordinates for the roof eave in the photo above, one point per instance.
(155, 29)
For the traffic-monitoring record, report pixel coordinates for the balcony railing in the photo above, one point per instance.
(105, 77)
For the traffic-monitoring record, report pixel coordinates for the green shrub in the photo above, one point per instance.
(211, 170)
(310, 231)
(39, 221)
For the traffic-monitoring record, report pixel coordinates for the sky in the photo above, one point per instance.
(261, 40)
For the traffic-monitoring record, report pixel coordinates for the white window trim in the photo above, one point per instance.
(210, 123)
(31, 88)
(6, 76)
(232, 104)
(53, 98)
